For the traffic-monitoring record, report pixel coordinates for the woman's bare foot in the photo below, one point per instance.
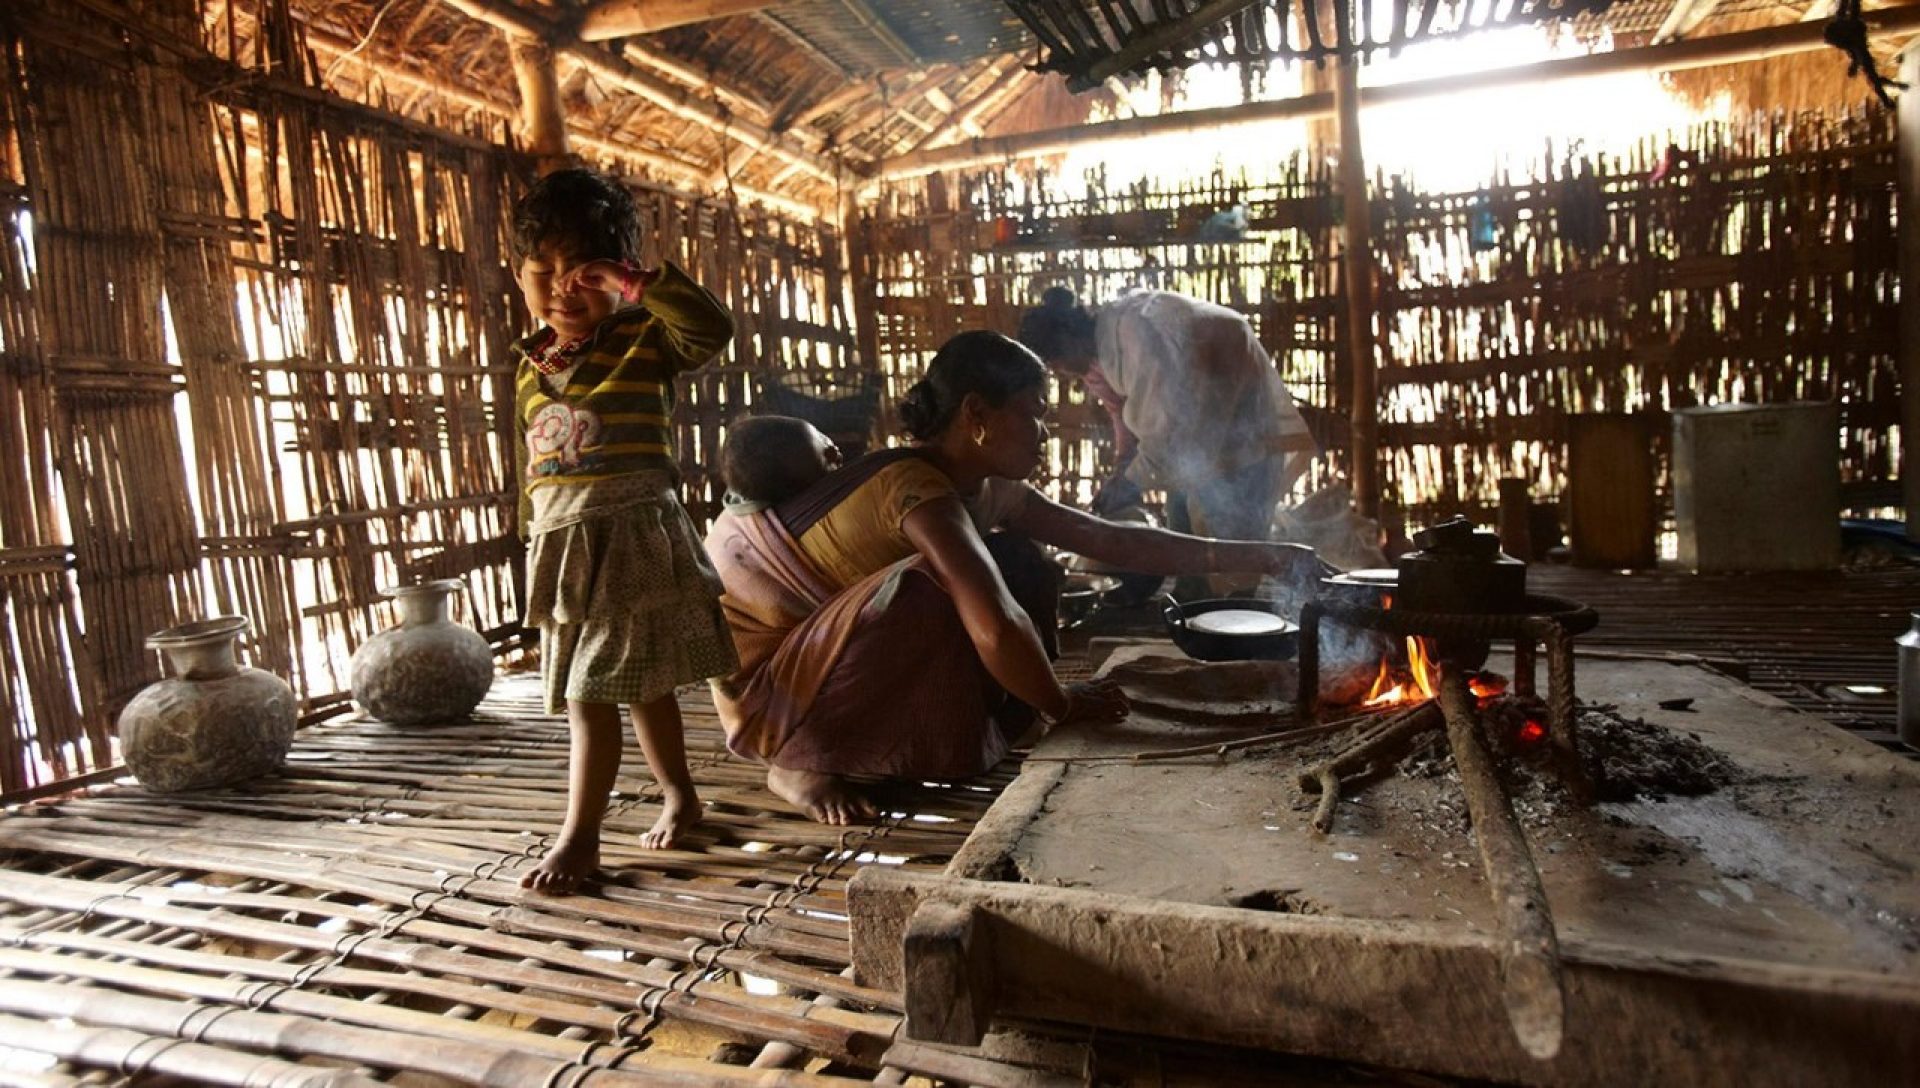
(822, 796)
(565, 866)
(679, 813)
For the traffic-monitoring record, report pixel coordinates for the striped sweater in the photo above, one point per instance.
(614, 416)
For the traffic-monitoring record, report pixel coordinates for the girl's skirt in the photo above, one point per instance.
(622, 592)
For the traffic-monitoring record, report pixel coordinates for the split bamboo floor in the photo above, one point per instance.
(357, 920)
(1822, 642)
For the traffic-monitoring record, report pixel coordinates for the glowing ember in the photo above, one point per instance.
(1532, 731)
(1487, 685)
(1418, 684)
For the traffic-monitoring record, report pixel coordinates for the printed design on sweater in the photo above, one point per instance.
(557, 437)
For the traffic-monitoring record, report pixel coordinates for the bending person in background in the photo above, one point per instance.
(895, 619)
(1197, 406)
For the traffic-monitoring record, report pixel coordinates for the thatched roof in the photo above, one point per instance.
(794, 102)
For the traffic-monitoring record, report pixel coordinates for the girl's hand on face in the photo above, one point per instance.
(599, 275)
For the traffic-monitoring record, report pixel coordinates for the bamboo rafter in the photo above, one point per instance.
(1090, 42)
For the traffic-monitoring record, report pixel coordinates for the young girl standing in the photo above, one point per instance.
(623, 594)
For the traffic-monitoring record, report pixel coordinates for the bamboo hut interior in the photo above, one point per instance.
(257, 296)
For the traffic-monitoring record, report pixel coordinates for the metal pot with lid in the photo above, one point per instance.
(1460, 569)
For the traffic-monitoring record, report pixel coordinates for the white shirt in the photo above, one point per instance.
(1195, 419)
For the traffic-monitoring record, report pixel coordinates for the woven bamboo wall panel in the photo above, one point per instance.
(1724, 262)
(253, 359)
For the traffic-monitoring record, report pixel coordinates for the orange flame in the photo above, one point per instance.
(1417, 686)
(1487, 685)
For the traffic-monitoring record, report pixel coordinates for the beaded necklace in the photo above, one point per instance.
(554, 355)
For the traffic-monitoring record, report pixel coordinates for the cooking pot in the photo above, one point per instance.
(1231, 629)
(1082, 593)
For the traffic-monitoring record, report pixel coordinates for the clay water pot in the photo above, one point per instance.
(428, 669)
(214, 722)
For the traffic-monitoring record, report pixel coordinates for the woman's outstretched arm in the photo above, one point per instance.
(1149, 550)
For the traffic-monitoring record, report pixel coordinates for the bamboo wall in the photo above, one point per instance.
(1759, 268)
(252, 359)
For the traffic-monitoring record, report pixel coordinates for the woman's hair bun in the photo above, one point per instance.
(919, 410)
(1058, 298)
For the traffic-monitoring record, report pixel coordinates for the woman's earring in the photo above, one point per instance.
(979, 436)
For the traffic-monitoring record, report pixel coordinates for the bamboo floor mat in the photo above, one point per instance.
(357, 920)
(1822, 642)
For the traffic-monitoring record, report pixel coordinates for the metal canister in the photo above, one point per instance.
(1909, 719)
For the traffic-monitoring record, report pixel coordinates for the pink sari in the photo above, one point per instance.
(878, 678)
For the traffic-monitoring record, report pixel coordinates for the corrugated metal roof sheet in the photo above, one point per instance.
(955, 30)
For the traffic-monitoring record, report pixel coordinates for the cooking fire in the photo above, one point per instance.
(1449, 601)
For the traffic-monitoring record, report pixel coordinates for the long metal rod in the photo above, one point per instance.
(1907, 159)
(1530, 969)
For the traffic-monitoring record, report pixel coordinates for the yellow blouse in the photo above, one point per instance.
(863, 533)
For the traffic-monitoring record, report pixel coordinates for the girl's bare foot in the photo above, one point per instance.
(679, 813)
(822, 796)
(565, 866)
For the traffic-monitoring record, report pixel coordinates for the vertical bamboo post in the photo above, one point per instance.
(862, 273)
(1907, 140)
(540, 109)
(1357, 261)
(1323, 131)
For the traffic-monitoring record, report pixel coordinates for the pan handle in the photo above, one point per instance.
(1175, 615)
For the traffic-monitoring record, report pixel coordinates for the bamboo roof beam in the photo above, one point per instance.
(1010, 78)
(1683, 18)
(541, 113)
(697, 176)
(673, 67)
(680, 102)
(1749, 45)
(883, 104)
(434, 84)
(625, 18)
(852, 92)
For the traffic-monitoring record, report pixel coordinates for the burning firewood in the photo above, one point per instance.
(1372, 754)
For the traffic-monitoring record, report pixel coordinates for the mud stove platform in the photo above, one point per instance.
(1738, 903)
